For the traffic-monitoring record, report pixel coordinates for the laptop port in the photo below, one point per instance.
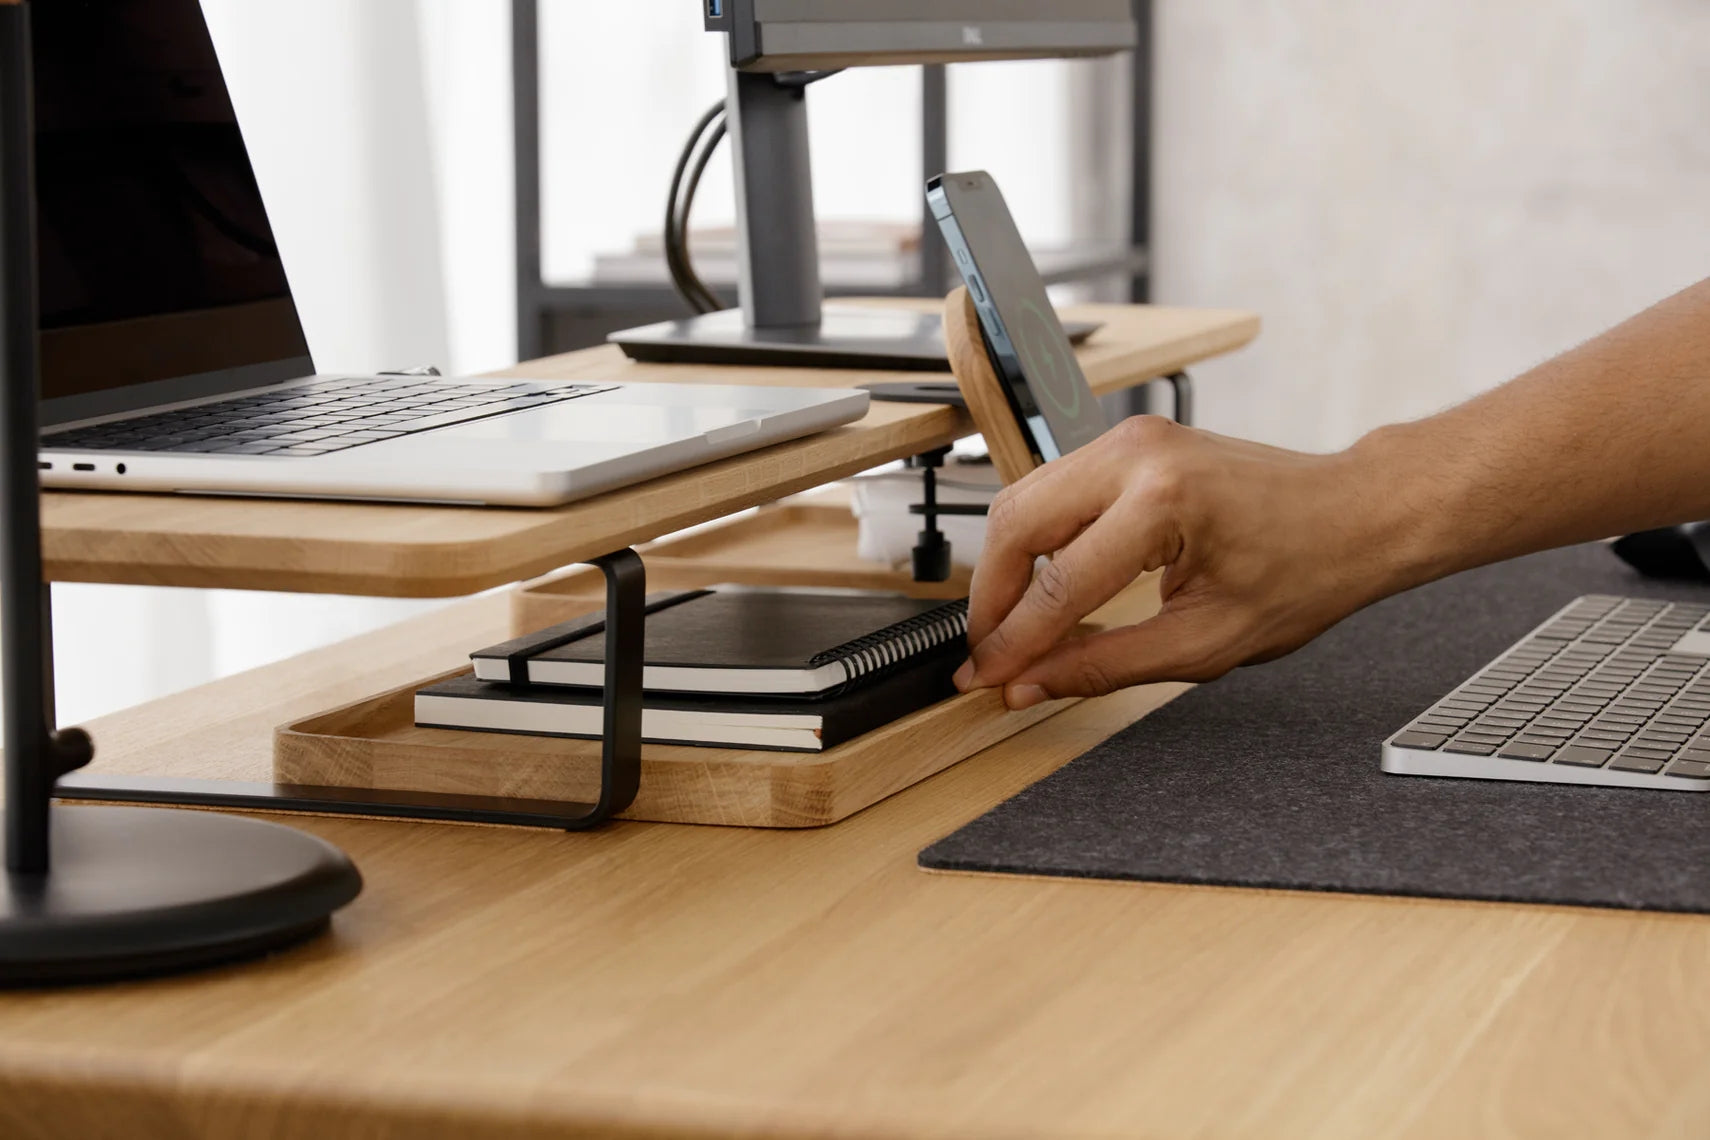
(83, 467)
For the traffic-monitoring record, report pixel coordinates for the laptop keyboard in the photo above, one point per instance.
(1609, 684)
(320, 417)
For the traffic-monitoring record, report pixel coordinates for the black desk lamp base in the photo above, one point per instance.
(140, 891)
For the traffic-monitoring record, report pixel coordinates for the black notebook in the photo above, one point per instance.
(781, 641)
(791, 724)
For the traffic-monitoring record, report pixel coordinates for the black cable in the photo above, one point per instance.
(708, 132)
(685, 205)
(698, 297)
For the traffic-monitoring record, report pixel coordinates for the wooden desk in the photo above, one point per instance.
(657, 980)
(423, 551)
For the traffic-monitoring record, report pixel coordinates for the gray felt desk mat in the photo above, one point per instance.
(1269, 777)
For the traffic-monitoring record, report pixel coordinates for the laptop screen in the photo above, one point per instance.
(160, 279)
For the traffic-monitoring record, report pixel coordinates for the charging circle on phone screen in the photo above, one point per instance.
(1041, 347)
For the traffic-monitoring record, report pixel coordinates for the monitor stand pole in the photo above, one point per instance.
(781, 321)
(99, 893)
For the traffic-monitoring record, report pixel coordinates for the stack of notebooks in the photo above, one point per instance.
(797, 670)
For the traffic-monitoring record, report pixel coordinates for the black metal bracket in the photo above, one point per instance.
(620, 753)
(1182, 386)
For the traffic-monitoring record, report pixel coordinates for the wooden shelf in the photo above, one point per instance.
(373, 742)
(427, 551)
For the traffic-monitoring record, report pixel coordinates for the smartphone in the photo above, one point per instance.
(1030, 352)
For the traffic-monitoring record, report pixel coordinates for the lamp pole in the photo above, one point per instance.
(36, 756)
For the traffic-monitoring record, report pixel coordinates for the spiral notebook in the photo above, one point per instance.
(776, 641)
(790, 724)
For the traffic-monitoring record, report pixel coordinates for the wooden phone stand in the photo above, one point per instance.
(982, 389)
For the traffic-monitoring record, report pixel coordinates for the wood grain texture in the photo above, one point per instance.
(660, 980)
(422, 551)
(982, 389)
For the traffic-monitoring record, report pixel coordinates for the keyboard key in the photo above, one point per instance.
(1425, 740)
(1582, 757)
(1519, 751)
(1629, 763)
(310, 435)
(248, 449)
(1469, 747)
(1689, 770)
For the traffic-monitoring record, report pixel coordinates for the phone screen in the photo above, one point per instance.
(1047, 389)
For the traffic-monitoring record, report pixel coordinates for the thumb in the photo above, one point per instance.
(1179, 644)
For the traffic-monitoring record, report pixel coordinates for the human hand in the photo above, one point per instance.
(1262, 549)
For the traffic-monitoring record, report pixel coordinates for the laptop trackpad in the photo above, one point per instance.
(576, 432)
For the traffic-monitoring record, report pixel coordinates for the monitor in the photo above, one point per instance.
(801, 35)
(159, 276)
(775, 46)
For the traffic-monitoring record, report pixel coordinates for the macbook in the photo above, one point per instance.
(172, 354)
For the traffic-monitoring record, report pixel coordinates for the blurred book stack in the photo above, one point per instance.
(852, 253)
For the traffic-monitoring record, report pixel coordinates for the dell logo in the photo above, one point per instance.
(971, 36)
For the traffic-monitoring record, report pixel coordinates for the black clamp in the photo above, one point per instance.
(932, 550)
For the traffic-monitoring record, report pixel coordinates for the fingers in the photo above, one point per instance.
(1081, 577)
(1176, 645)
(1034, 516)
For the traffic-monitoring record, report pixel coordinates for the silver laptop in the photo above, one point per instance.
(173, 358)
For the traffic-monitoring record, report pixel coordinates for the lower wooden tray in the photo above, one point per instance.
(375, 743)
(800, 542)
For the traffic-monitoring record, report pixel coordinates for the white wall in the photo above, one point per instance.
(1422, 197)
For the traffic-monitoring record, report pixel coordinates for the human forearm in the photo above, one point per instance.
(1613, 436)
(1263, 549)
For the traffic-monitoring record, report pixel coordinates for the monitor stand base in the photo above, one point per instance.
(848, 336)
(137, 891)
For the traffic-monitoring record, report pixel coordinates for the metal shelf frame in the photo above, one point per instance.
(558, 318)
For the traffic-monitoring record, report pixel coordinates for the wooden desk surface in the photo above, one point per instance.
(423, 551)
(667, 980)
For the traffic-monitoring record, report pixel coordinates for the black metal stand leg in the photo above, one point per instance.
(620, 756)
(620, 747)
